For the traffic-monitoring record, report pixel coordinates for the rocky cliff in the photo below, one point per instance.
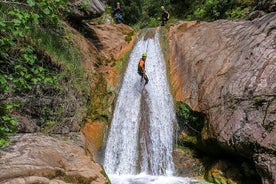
(227, 70)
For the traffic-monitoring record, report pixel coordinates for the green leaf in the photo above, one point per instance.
(6, 118)
(2, 24)
(16, 22)
(40, 69)
(46, 11)
(29, 86)
(9, 106)
(35, 81)
(35, 18)
(2, 80)
(31, 2)
(13, 121)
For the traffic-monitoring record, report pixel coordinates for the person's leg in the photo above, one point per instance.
(146, 78)
(141, 74)
(121, 19)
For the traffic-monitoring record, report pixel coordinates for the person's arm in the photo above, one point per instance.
(143, 68)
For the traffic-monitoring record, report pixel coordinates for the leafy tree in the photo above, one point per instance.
(210, 10)
(145, 12)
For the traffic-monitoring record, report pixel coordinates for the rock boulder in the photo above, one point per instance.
(42, 159)
(227, 70)
(86, 9)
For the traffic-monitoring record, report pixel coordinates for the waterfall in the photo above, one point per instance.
(141, 133)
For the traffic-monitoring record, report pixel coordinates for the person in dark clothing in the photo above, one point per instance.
(165, 16)
(117, 14)
(141, 68)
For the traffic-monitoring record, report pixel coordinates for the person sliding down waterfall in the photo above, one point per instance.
(141, 68)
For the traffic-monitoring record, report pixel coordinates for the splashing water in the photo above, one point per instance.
(140, 142)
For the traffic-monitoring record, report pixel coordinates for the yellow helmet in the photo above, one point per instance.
(144, 55)
(162, 7)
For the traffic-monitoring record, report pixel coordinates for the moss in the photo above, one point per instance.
(215, 176)
(259, 101)
(104, 173)
(129, 36)
(189, 120)
(187, 140)
(71, 178)
(187, 163)
(121, 64)
(100, 100)
(102, 93)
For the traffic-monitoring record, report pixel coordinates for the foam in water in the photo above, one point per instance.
(149, 179)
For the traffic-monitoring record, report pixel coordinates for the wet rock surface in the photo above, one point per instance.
(227, 70)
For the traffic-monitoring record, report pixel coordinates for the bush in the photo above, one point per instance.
(21, 67)
(189, 120)
(7, 123)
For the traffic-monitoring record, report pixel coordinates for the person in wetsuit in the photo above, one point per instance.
(141, 68)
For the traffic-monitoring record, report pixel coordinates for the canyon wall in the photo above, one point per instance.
(227, 70)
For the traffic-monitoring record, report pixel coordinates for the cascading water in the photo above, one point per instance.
(141, 134)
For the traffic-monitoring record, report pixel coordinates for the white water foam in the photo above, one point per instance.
(149, 179)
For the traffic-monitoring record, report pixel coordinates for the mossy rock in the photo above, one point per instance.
(217, 177)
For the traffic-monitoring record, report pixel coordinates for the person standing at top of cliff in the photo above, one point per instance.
(141, 68)
(117, 13)
(165, 16)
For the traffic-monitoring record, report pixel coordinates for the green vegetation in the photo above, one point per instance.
(222, 9)
(190, 120)
(7, 123)
(259, 101)
(129, 36)
(35, 55)
(147, 13)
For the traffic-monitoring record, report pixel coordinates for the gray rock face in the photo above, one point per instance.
(86, 9)
(43, 159)
(227, 69)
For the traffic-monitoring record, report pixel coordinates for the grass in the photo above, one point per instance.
(64, 55)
